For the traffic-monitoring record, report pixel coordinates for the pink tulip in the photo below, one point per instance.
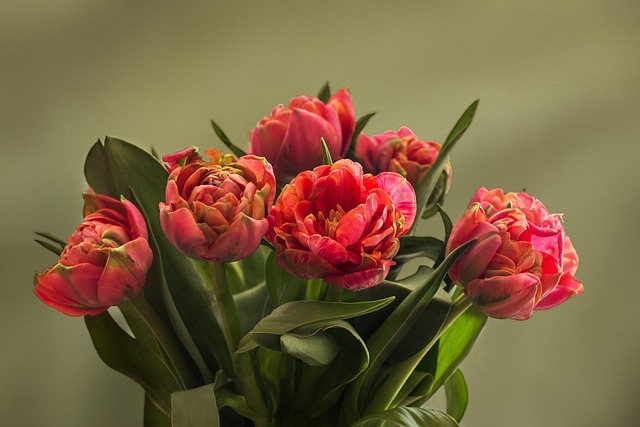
(290, 138)
(104, 263)
(513, 265)
(495, 200)
(217, 210)
(400, 152)
(339, 224)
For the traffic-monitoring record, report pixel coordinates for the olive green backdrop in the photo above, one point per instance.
(559, 114)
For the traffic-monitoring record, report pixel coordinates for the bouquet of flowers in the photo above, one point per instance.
(271, 288)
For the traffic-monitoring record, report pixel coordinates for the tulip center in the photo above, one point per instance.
(331, 221)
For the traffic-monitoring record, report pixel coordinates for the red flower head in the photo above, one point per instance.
(339, 224)
(104, 262)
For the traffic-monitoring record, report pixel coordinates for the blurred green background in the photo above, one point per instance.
(559, 114)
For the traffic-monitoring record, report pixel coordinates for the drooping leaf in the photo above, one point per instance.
(299, 314)
(133, 359)
(425, 187)
(319, 348)
(237, 151)
(195, 408)
(407, 417)
(457, 395)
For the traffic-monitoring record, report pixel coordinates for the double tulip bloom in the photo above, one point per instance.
(216, 210)
(522, 259)
(290, 138)
(104, 262)
(399, 151)
(341, 225)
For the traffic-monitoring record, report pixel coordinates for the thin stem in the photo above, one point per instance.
(315, 289)
(243, 363)
(226, 305)
(387, 392)
(334, 293)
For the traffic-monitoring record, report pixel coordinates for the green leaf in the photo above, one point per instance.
(360, 124)
(133, 359)
(298, 314)
(154, 416)
(412, 247)
(250, 306)
(386, 338)
(282, 286)
(318, 348)
(237, 151)
(426, 186)
(437, 196)
(457, 396)
(194, 408)
(407, 417)
(128, 170)
(326, 155)
(247, 272)
(48, 246)
(53, 238)
(325, 93)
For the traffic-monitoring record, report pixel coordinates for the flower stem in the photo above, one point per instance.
(226, 305)
(243, 362)
(334, 293)
(388, 391)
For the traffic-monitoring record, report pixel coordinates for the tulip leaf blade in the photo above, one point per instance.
(48, 246)
(387, 337)
(98, 173)
(325, 93)
(237, 151)
(282, 287)
(457, 395)
(427, 184)
(326, 155)
(299, 314)
(412, 247)
(128, 356)
(318, 348)
(194, 408)
(360, 124)
(407, 417)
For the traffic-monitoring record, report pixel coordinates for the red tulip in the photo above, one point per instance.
(400, 152)
(217, 210)
(495, 200)
(339, 224)
(104, 262)
(290, 138)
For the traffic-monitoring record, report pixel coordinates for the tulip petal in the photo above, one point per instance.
(240, 240)
(568, 287)
(182, 230)
(330, 250)
(505, 297)
(125, 272)
(402, 195)
(305, 264)
(360, 279)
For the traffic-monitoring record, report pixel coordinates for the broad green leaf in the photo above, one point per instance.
(319, 348)
(454, 345)
(386, 338)
(282, 286)
(437, 196)
(407, 417)
(299, 314)
(133, 359)
(237, 151)
(250, 306)
(426, 186)
(130, 170)
(419, 246)
(194, 408)
(457, 396)
(325, 93)
(277, 371)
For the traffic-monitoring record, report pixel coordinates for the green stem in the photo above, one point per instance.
(142, 310)
(387, 392)
(243, 363)
(334, 293)
(226, 305)
(315, 289)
